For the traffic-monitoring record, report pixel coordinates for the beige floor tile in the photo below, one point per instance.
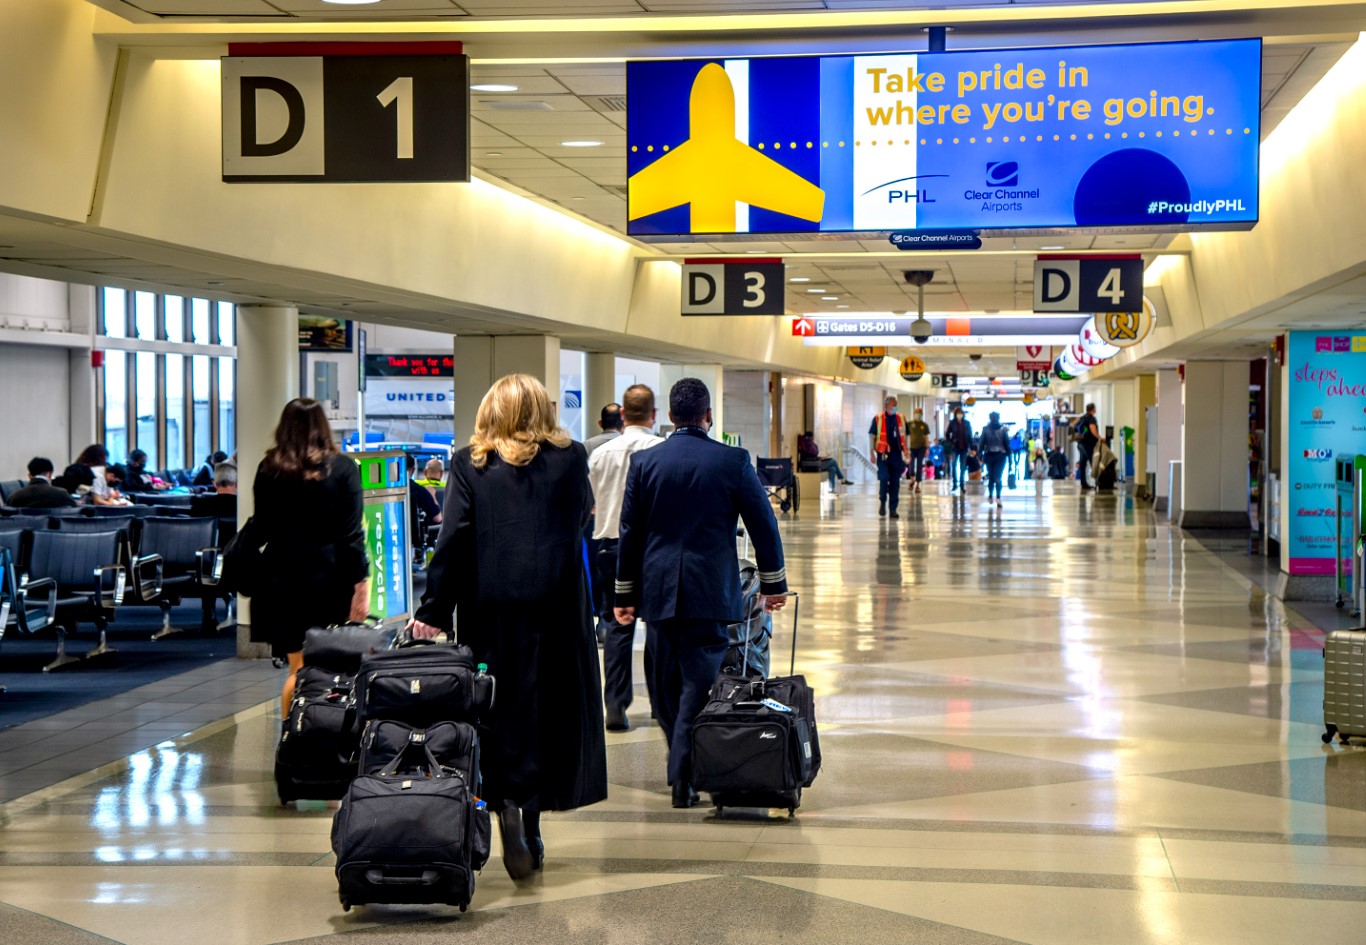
(942, 858)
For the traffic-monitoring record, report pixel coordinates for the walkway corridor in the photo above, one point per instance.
(1063, 723)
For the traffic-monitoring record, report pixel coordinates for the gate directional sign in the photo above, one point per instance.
(944, 381)
(866, 358)
(733, 287)
(1088, 284)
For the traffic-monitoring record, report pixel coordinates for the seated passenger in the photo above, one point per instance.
(809, 458)
(137, 478)
(91, 470)
(221, 503)
(40, 493)
(203, 476)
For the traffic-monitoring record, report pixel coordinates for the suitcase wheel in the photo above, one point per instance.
(463, 908)
(1327, 738)
(346, 906)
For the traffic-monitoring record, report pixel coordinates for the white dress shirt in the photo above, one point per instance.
(607, 469)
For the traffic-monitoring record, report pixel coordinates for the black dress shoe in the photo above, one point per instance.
(685, 796)
(893, 515)
(517, 859)
(617, 720)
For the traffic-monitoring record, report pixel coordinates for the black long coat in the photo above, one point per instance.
(509, 561)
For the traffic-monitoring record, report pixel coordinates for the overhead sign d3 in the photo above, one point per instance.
(734, 287)
(1162, 136)
(911, 368)
(866, 358)
(345, 112)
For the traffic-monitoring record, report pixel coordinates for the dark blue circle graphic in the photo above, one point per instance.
(1121, 188)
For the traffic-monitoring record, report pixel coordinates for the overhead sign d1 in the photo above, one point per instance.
(912, 368)
(734, 287)
(866, 358)
(1126, 329)
(1088, 284)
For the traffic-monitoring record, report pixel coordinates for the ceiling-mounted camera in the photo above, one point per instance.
(921, 329)
(974, 357)
(918, 277)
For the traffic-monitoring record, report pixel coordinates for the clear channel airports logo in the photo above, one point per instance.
(1003, 193)
(1318, 455)
(1003, 174)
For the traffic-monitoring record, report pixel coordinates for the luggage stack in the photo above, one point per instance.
(1344, 685)
(315, 758)
(411, 827)
(755, 742)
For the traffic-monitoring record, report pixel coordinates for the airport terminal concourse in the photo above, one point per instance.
(680, 471)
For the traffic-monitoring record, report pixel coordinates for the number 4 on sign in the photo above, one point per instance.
(1109, 287)
(401, 91)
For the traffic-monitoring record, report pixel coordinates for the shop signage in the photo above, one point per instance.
(1126, 329)
(345, 112)
(734, 287)
(1162, 136)
(866, 358)
(1088, 284)
(911, 368)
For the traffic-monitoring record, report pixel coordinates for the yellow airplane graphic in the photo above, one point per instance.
(713, 170)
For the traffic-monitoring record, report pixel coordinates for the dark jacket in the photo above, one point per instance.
(676, 556)
(510, 560)
(995, 439)
(39, 494)
(958, 435)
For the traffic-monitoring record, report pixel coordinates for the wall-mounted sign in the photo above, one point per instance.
(923, 240)
(1326, 380)
(944, 381)
(1126, 329)
(866, 358)
(410, 365)
(1033, 357)
(338, 112)
(734, 287)
(1159, 136)
(1088, 284)
(324, 333)
(911, 368)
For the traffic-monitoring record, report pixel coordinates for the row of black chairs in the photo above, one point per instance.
(63, 571)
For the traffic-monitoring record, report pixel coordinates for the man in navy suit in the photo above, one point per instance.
(677, 568)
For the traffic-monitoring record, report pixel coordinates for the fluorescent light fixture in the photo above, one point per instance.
(580, 144)
(841, 306)
(483, 86)
(494, 154)
(351, 3)
(817, 291)
(755, 252)
(830, 298)
(799, 279)
(1048, 249)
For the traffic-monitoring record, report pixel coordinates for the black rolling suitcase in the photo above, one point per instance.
(755, 742)
(315, 758)
(410, 834)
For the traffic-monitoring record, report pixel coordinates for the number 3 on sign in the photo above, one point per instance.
(401, 91)
(1109, 287)
(754, 290)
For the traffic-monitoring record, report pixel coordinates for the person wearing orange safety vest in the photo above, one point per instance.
(887, 442)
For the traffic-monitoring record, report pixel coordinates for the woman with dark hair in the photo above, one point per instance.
(308, 508)
(91, 469)
(510, 557)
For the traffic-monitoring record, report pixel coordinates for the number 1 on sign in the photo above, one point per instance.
(401, 91)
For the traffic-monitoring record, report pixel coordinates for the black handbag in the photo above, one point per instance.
(243, 560)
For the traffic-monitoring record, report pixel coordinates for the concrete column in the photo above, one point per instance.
(1123, 397)
(81, 310)
(482, 359)
(267, 379)
(775, 414)
(1169, 441)
(599, 388)
(1214, 484)
(1145, 387)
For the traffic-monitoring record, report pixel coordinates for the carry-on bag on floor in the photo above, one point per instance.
(1344, 685)
(755, 742)
(453, 745)
(747, 646)
(423, 684)
(314, 758)
(411, 837)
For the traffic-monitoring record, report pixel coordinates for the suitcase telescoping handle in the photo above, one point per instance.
(796, 598)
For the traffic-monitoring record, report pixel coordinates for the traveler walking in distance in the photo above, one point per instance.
(308, 507)
(509, 555)
(887, 443)
(917, 441)
(677, 568)
(607, 469)
(1088, 436)
(957, 442)
(995, 446)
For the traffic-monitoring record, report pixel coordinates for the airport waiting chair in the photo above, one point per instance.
(779, 480)
(8, 487)
(183, 555)
(90, 570)
(25, 606)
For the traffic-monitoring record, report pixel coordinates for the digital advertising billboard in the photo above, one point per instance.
(1161, 136)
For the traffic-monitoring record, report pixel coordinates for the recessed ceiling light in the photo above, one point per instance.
(214, 282)
(756, 252)
(841, 306)
(486, 86)
(580, 144)
(830, 298)
(799, 279)
(817, 291)
(1048, 248)
(493, 154)
(576, 198)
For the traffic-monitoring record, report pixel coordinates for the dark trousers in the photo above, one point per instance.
(890, 469)
(953, 464)
(996, 465)
(1084, 474)
(687, 659)
(917, 462)
(616, 649)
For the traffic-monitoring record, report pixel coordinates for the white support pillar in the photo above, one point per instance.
(1124, 399)
(267, 379)
(1169, 441)
(482, 359)
(1214, 489)
(599, 388)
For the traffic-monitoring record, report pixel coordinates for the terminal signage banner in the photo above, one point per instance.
(409, 397)
(1326, 419)
(1161, 136)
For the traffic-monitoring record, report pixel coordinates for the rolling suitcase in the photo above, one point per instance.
(453, 745)
(755, 743)
(423, 684)
(410, 836)
(1344, 685)
(313, 759)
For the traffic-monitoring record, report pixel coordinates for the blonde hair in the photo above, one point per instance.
(515, 418)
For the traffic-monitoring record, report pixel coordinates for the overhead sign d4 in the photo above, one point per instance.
(734, 287)
(1088, 284)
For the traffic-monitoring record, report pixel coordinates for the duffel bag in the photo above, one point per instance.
(453, 745)
(423, 685)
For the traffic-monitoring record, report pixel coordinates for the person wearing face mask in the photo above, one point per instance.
(887, 442)
(918, 441)
(957, 442)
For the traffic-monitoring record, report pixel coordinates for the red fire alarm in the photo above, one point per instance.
(96, 358)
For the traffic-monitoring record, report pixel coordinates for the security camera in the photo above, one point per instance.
(921, 329)
(918, 277)
(974, 357)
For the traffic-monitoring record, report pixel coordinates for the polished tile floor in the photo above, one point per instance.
(1062, 723)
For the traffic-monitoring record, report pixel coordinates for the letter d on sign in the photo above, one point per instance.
(273, 118)
(703, 287)
(1056, 282)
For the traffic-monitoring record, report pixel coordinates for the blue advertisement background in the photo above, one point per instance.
(1075, 180)
(1326, 382)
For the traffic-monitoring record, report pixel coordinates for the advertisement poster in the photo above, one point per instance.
(386, 543)
(324, 333)
(1162, 136)
(1327, 419)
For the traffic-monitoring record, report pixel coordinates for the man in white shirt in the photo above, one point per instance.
(607, 469)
